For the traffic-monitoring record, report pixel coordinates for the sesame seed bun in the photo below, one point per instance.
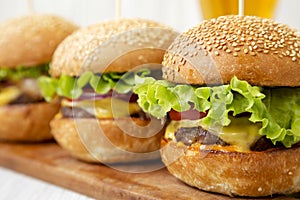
(276, 171)
(103, 141)
(31, 40)
(114, 45)
(260, 51)
(27, 122)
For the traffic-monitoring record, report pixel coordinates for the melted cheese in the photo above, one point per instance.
(105, 108)
(9, 94)
(240, 134)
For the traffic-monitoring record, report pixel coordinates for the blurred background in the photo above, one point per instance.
(180, 14)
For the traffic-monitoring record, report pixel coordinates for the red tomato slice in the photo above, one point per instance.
(189, 114)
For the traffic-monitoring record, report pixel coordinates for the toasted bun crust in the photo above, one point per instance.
(260, 51)
(27, 122)
(234, 173)
(106, 142)
(31, 40)
(114, 45)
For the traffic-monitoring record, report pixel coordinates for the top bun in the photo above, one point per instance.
(114, 45)
(258, 50)
(31, 40)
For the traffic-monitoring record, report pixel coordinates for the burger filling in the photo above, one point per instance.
(236, 116)
(102, 96)
(19, 85)
(100, 108)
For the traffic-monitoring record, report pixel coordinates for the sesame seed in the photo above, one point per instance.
(246, 51)
(235, 54)
(294, 59)
(252, 53)
(216, 53)
(293, 53)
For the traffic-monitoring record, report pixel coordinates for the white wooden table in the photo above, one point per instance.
(15, 186)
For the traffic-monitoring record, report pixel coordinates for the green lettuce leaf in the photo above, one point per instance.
(278, 110)
(23, 72)
(51, 85)
(283, 107)
(72, 87)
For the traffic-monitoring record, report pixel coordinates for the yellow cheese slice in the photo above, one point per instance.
(9, 94)
(105, 108)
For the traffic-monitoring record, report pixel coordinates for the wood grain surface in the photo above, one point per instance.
(50, 163)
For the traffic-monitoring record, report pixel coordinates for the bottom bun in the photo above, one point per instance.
(27, 122)
(103, 141)
(255, 174)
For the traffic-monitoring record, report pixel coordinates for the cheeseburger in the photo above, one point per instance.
(233, 99)
(93, 72)
(26, 47)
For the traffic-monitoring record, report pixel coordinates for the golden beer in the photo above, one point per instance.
(214, 8)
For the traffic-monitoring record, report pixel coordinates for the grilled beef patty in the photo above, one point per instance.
(189, 136)
(25, 99)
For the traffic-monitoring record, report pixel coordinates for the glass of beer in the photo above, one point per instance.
(214, 8)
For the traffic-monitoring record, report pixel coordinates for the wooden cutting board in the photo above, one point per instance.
(50, 163)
